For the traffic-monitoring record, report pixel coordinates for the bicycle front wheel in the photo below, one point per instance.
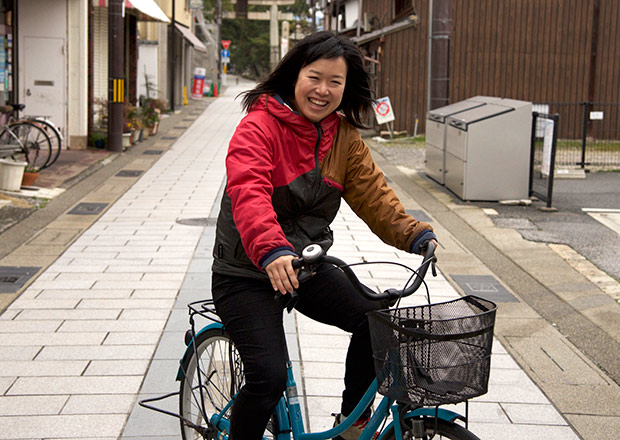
(213, 374)
(36, 144)
(427, 428)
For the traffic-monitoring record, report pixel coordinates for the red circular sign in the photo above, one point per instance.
(383, 108)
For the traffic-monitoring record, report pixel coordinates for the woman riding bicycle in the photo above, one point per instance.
(293, 157)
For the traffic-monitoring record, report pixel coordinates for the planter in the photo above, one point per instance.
(126, 140)
(11, 174)
(29, 178)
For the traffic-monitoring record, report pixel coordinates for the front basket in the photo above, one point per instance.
(434, 354)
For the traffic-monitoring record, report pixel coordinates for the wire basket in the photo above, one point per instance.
(434, 354)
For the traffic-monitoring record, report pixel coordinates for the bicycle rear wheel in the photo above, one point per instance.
(55, 139)
(435, 429)
(218, 372)
(36, 144)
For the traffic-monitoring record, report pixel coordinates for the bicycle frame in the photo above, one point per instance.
(290, 419)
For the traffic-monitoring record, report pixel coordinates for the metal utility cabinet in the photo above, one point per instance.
(488, 151)
(435, 161)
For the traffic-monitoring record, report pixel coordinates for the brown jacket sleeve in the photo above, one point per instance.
(366, 191)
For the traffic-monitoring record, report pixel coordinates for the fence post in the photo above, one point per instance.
(584, 134)
(554, 145)
(532, 151)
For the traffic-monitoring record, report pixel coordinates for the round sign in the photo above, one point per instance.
(383, 108)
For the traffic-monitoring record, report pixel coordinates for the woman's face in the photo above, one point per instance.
(319, 87)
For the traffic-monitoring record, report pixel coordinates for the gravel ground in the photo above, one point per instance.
(406, 151)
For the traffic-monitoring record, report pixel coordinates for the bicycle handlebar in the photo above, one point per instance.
(314, 254)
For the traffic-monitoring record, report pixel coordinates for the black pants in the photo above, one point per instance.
(254, 320)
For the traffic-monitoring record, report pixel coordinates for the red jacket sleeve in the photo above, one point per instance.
(249, 168)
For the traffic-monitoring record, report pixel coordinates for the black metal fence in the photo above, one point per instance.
(589, 134)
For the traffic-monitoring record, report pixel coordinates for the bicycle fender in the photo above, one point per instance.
(190, 348)
(441, 413)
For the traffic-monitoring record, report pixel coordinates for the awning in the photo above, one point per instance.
(193, 39)
(146, 10)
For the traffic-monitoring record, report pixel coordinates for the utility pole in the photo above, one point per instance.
(172, 53)
(116, 70)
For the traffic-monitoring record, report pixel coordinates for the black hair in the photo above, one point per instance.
(357, 98)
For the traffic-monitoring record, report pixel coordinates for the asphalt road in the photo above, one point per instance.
(569, 224)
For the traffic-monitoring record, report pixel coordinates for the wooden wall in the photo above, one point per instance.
(534, 50)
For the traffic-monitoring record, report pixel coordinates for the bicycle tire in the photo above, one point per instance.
(435, 429)
(36, 144)
(55, 138)
(221, 378)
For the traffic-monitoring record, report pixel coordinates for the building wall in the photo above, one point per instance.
(539, 51)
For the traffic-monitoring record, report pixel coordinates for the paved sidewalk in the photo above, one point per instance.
(103, 325)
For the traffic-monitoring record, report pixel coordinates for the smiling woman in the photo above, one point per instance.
(293, 158)
(319, 88)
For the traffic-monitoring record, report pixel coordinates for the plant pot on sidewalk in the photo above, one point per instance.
(29, 178)
(11, 174)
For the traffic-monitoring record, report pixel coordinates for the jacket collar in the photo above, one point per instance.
(282, 110)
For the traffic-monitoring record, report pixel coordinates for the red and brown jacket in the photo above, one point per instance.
(285, 179)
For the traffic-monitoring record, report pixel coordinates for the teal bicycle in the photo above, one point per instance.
(425, 356)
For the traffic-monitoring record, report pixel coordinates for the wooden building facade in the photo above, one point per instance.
(555, 53)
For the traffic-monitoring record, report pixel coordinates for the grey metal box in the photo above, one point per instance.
(488, 151)
(436, 133)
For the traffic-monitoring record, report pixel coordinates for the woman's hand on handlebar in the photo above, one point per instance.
(282, 275)
(425, 247)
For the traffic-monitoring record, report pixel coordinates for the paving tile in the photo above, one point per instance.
(62, 426)
(99, 352)
(130, 303)
(51, 339)
(132, 338)
(76, 385)
(29, 326)
(31, 405)
(24, 368)
(113, 326)
(23, 303)
(533, 414)
(16, 353)
(68, 314)
(106, 367)
(99, 404)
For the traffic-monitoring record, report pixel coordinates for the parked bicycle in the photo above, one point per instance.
(33, 139)
(425, 356)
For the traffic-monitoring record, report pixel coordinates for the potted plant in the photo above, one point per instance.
(99, 138)
(31, 174)
(132, 121)
(151, 115)
(99, 135)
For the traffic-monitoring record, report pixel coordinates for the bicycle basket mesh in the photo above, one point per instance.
(434, 354)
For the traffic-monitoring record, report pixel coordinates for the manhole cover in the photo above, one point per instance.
(484, 286)
(418, 214)
(88, 208)
(153, 152)
(129, 173)
(14, 278)
(199, 221)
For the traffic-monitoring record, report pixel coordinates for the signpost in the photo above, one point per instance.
(384, 113)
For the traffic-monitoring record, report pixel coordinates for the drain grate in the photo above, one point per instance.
(129, 173)
(170, 138)
(418, 214)
(484, 286)
(14, 278)
(199, 221)
(87, 208)
(153, 152)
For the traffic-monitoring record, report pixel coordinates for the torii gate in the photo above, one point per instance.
(273, 15)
